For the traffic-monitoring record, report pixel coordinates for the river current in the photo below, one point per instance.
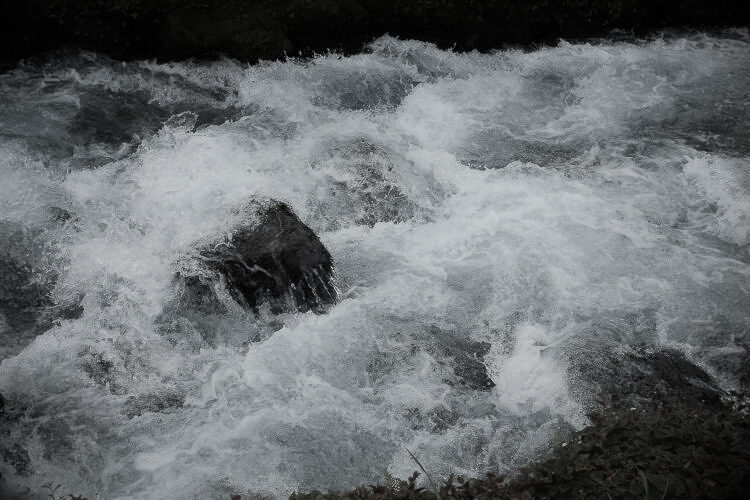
(498, 210)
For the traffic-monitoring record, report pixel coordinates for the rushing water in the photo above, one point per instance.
(523, 200)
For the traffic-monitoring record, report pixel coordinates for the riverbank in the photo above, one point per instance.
(659, 427)
(676, 452)
(249, 30)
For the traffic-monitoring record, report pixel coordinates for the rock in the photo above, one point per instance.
(724, 345)
(58, 215)
(18, 458)
(639, 376)
(22, 296)
(734, 365)
(11, 452)
(114, 117)
(25, 289)
(11, 411)
(271, 259)
(362, 189)
(460, 359)
(153, 403)
(465, 356)
(27, 307)
(97, 366)
(191, 316)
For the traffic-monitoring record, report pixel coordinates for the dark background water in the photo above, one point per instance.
(249, 30)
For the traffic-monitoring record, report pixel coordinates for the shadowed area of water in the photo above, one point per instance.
(490, 218)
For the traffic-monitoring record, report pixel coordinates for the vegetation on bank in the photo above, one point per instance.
(266, 29)
(680, 452)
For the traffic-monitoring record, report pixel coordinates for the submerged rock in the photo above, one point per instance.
(458, 358)
(27, 305)
(11, 453)
(272, 259)
(465, 356)
(736, 363)
(362, 187)
(639, 376)
(166, 401)
(22, 295)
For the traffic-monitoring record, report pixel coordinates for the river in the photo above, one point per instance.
(489, 216)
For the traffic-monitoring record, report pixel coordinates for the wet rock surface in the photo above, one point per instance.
(273, 260)
(27, 305)
(115, 118)
(642, 377)
(15, 458)
(465, 356)
(21, 298)
(153, 403)
(459, 359)
(361, 187)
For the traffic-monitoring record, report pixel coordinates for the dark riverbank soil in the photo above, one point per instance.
(267, 29)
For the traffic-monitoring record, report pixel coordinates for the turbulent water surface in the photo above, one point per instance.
(488, 216)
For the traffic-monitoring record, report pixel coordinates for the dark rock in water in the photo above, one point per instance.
(153, 403)
(18, 458)
(10, 411)
(270, 263)
(115, 118)
(724, 345)
(197, 295)
(59, 215)
(22, 298)
(57, 438)
(640, 376)
(272, 259)
(734, 364)
(192, 315)
(100, 369)
(24, 290)
(466, 357)
(461, 359)
(27, 307)
(11, 452)
(364, 191)
(278, 260)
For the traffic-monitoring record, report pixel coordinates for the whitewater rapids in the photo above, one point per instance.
(520, 199)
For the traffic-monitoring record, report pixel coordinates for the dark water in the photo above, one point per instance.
(484, 212)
